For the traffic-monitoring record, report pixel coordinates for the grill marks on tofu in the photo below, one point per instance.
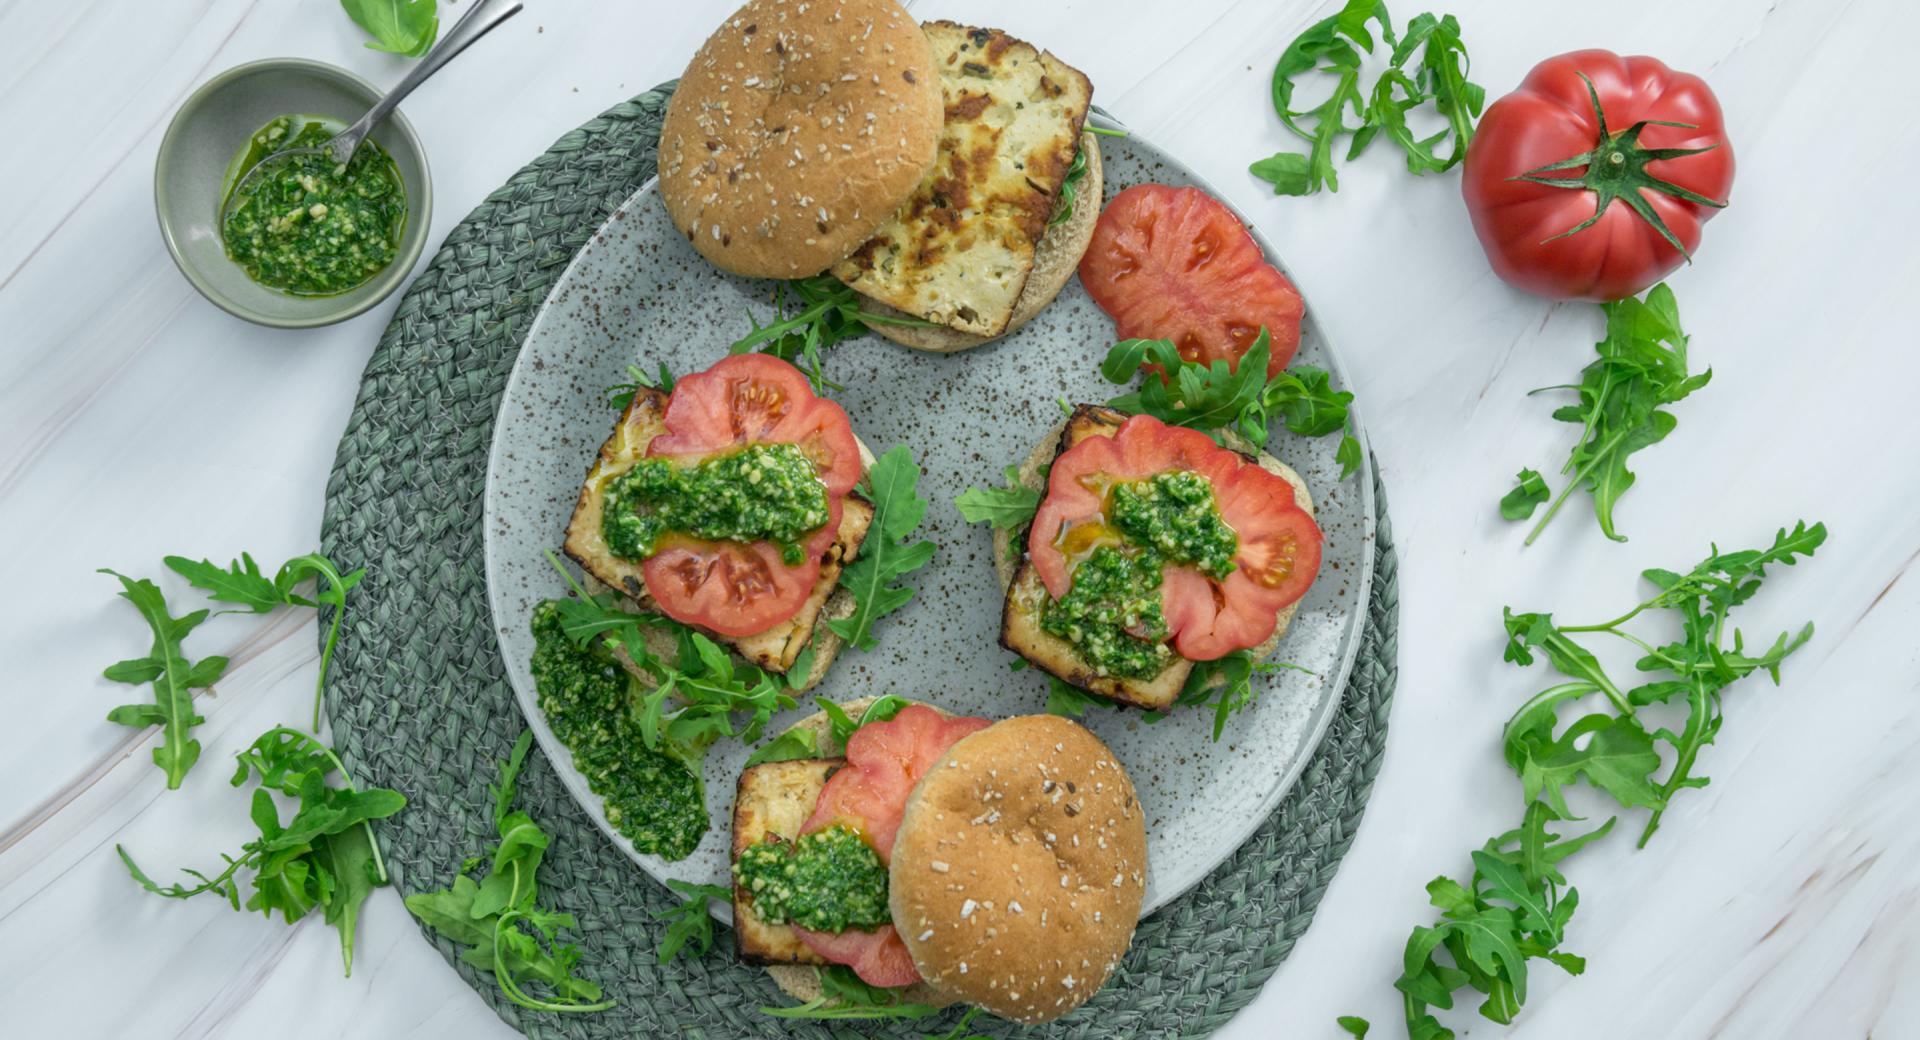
(960, 250)
(774, 649)
(774, 799)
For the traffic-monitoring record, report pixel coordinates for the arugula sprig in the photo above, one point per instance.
(828, 311)
(1642, 367)
(886, 556)
(322, 858)
(690, 927)
(1334, 46)
(843, 995)
(1070, 188)
(1214, 397)
(174, 679)
(620, 395)
(1225, 685)
(486, 916)
(1516, 905)
(243, 583)
(1006, 508)
(405, 27)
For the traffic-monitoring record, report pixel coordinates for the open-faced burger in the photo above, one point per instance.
(957, 860)
(943, 171)
(729, 504)
(1153, 547)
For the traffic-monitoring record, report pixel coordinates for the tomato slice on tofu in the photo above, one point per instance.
(1279, 544)
(736, 588)
(1176, 264)
(879, 957)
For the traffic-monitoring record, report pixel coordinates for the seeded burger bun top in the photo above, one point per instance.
(798, 128)
(1019, 868)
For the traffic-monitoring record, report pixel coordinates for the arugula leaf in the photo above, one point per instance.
(405, 27)
(620, 395)
(829, 312)
(1530, 492)
(793, 744)
(844, 726)
(174, 679)
(1226, 685)
(1070, 701)
(487, 916)
(243, 583)
(886, 556)
(1007, 509)
(1516, 906)
(691, 924)
(1354, 1025)
(1214, 397)
(324, 856)
(1334, 46)
(1070, 188)
(844, 996)
(1641, 368)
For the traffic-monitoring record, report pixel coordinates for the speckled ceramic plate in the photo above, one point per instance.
(639, 293)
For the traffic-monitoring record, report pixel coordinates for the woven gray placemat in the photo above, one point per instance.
(419, 701)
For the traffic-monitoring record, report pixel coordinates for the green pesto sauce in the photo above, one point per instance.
(1112, 613)
(306, 225)
(1174, 514)
(589, 701)
(828, 881)
(763, 492)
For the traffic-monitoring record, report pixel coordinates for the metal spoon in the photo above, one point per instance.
(344, 144)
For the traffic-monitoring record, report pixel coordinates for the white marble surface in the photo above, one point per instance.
(1783, 901)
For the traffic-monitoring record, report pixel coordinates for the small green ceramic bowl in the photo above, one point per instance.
(214, 125)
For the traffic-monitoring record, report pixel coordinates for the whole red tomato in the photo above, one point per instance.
(1592, 180)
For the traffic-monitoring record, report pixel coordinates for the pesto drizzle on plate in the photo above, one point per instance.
(1112, 613)
(762, 492)
(587, 696)
(304, 224)
(827, 881)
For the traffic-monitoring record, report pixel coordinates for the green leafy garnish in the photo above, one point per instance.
(620, 395)
(1530, 492)
(243, 583)
(323, 858)
(1070, 188)
(174, 679)
(1070, 701)
(1226, 685)
(1354, 1025)
(1642, 367)
(1215, 397)
(1007, 508)
(690, 929)
(793, 744)
(885, 556)
(1516, 905)
(1334, 46)
(829, 311)
(844, 996)
(883, 709)
(406, 27)
(485, 916)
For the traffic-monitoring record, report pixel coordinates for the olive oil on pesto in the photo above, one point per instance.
(304, 224)
(762, 492)
(587, 696)
(1112, 613)
(827, 881)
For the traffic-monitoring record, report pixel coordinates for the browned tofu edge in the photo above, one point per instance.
(773, 798)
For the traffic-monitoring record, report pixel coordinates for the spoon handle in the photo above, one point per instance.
(469, 28)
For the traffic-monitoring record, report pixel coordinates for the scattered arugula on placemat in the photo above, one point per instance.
(1516, 904)
(243, 583)
(406, 27)
(620, 395)
(1334, 46)
(1642, 366)
(690, 927)
(486, 916)
(892, 485)
(1214, 397)
(1006, 508)
(828, 312)
(174, 679)
(323, 858)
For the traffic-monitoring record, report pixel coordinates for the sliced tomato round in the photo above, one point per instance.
(884, 761)
(1176, 264)
(1279, 551)
(879, 957)
(731, 588)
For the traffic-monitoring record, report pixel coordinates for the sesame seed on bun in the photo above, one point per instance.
(799, 127)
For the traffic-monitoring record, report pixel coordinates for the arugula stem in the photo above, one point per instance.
(379, 862)
(1561, 499)
(504, 975)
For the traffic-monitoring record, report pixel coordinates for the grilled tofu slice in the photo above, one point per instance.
(960, 250)
(775, 649)
(774, 798)
(1020, 629)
